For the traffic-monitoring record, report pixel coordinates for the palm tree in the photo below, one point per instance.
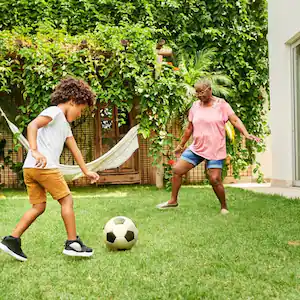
(199, 66)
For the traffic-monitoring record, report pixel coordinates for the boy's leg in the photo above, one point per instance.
(12, 244)
(74, 246)
(53, 181)
(37, 196)
(56, 185)
(28, 218)
(68, 216)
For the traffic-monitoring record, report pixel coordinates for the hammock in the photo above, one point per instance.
(114, 158)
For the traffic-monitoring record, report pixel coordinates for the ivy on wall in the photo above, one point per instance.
(111, 44)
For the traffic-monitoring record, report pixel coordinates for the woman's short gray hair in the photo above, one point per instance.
(202, 82)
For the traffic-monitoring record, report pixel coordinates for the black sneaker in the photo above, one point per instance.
(12, 246)
(77, 248)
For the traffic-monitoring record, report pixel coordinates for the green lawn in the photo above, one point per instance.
(190, 252)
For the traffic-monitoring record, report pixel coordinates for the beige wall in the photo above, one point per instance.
(284, 28)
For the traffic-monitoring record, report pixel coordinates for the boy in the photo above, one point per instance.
(46, 135)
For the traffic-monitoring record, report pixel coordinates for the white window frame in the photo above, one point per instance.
(296, 163)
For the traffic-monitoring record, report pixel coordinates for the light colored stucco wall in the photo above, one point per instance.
(284, 25)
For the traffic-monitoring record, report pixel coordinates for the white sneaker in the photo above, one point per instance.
(77, 248)
(166, 205)
(224, 211)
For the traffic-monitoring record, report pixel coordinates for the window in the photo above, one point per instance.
(296, 92)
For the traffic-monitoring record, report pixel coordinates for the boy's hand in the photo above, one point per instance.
(94, 177)
(41, 160)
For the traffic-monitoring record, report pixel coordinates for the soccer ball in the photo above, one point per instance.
(120, 233)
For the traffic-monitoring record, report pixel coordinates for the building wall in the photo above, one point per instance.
(284, 29)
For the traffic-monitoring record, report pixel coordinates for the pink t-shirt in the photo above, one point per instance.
(209, 137)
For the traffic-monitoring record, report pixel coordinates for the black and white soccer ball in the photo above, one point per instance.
(120, 233)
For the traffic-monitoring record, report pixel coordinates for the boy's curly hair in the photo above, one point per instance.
(73, 89)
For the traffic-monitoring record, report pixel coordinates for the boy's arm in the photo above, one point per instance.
(32, 130)
(72, 145)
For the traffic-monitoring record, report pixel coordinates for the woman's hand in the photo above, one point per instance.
(253, 138)
(178, 150)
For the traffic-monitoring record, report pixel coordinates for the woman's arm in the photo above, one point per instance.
(186, 135)
(237, 123)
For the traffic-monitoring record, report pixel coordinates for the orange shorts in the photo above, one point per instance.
(41, 181)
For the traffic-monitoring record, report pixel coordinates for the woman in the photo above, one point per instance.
(207, 119)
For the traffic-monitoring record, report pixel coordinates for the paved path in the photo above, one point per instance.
(266, 188)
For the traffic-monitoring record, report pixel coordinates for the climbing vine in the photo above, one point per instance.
(112, 46)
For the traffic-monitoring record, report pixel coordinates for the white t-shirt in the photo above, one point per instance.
(51, 138)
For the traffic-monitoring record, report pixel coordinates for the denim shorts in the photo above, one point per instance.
(195, 160)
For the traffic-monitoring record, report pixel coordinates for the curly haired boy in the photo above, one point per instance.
(47, 135)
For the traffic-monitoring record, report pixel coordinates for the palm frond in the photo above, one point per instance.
(221, 84)
(204, 59)
(221, 79)
(199, 60)
(190, 91)
(221, 91)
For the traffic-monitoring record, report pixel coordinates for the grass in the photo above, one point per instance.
(190, 252)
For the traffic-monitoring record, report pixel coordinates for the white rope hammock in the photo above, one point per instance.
(114, 158)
